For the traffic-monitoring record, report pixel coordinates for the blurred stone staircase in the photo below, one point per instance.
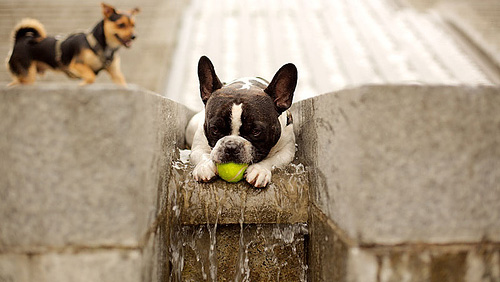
(335, 44)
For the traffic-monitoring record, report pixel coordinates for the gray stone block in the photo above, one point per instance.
(88, 265)
(14, 268)
(81, 166)
(399, 164)
(284, 200)
(335, 257)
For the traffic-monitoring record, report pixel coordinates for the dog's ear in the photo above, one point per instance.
(282, 87)
(135, 11)
(107, 10)
(209, 82)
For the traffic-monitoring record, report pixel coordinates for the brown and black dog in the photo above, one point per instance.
(80, 55)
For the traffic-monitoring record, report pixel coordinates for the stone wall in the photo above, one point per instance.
(81, 170)
(405, 183)
(400, 182)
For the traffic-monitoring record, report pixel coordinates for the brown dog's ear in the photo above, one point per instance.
(107, 10)
(282, 87)
(135, 11)
(209, 82)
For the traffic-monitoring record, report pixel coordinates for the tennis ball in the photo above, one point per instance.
(231, 172)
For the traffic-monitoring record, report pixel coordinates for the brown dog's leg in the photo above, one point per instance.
(15, 81)
(29, 78)
(83, 71)
(115, 72)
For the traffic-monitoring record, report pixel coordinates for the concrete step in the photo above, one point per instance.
(285, 200)
(226, 231)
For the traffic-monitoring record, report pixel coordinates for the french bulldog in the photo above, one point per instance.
(244, 121)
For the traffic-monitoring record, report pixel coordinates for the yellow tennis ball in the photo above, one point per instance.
(231, 172)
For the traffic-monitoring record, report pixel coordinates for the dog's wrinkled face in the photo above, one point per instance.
(241, 118)
(119, 26)
(241, 124)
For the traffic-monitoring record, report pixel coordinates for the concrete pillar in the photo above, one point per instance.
(405, 182)
(81, 169)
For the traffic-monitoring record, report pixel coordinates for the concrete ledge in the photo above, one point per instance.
(285, 200)
(335, 257)
(82, 169)
(97, 265)
(402, 164)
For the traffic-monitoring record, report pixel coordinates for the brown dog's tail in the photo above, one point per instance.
(29, 28)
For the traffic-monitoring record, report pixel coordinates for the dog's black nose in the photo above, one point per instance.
(231, 147)
(132, 37)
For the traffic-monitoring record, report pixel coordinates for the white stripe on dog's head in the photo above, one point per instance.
(236, 112)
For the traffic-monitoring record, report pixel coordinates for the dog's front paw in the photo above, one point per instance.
(204, 171)
(258, 175)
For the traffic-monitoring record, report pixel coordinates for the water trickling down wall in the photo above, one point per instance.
(233, 232)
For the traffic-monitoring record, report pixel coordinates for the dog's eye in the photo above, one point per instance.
(214, 131)
(256, 132)
(122, 25)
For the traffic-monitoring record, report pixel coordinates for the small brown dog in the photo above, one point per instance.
(80, 55)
